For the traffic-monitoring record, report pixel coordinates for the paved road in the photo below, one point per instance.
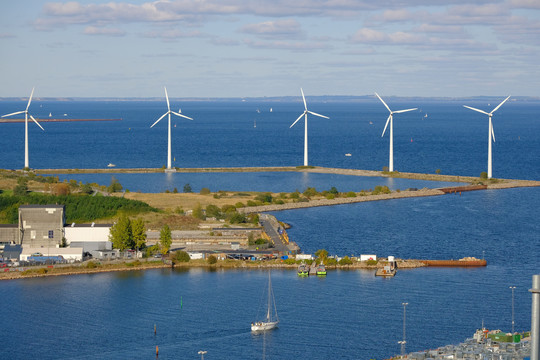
(271, 227)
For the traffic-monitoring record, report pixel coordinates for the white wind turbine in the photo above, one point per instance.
(391, 121)
(26, 114)
(304, 114)
(491, 134)
(169, 112)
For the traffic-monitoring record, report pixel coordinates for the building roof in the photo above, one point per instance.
(54, 206)
(9, 226)
(88, 225)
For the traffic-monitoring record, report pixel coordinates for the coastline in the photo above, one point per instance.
(35, 272)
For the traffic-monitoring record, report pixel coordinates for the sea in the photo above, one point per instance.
(349, 314)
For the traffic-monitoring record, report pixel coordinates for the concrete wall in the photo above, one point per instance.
(87, 233)
(9, 234)
(41, 225)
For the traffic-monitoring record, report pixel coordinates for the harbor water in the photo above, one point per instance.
(349, 314)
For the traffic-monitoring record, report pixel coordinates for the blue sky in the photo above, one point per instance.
(242, 48)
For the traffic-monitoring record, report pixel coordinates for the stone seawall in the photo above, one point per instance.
(340, 201)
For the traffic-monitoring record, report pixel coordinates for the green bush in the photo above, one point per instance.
(204, 191)
(181, 257)
(251, 203)
(295, 195)
(239, 205)
(330, 196)
(345, 261)
(331, 261)
(91, 265)
(483, 175)
(211, 260)
(351, 194)
(289, 261)
(371, 262)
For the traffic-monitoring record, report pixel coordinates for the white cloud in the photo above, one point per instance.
(93, 30)
(287, 27)
(287, 45)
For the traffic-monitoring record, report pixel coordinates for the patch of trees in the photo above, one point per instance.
(79, 208)
(126, 234)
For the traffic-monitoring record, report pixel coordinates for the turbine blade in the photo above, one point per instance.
(167, 97)
(475, 109)
(383, 102)
(162, 116)
(385, 126)
(15, 113)
(402, 111)
(304, 113)
(31, 117)
(30, 99)
(500, 105)
(492, 133)
(319, 115)
(304, 98)
(178, 114)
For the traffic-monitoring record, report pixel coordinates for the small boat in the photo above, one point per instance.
(271, 320)
(371, 123)
(255, 123)
(50, 114)
(270, 109)
(111, 165)
(303, 270)
(348, 154)
(389, 270)
(321, 270)
(258, 111)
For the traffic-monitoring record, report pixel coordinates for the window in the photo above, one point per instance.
(51, 234)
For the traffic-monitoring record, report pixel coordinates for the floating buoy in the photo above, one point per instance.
(155, 329)
(157, 350)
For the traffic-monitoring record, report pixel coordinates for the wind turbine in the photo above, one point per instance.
(169, 112)
(304, 114)
(26, 114)
(491, 134)
(391, 121)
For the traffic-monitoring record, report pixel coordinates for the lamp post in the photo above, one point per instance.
(512, 288)
(201, 352)
(404, 341)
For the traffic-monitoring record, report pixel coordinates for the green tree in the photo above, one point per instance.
(115, 185)
(120, 234)
(483, 175)
(138, 233)
(187, 188)
(21, 188)
(198, 212)
(321, 254)
(237, 218)
(212, 260)
(181, 256)
(165, 238)
(333, 190)
(87, 189)
(213, 211)
(345, 261)
(438, 171)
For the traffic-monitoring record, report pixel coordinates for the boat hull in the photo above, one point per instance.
(455, 263)
(264, 326)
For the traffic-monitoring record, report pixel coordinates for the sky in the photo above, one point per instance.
(246, 48)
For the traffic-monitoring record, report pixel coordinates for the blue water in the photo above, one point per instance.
(452, 138)
(349, 314)
(250, 181)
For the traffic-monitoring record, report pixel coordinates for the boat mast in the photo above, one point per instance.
(269, 301)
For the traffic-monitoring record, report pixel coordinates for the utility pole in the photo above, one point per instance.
(404, 341)
(512, 288)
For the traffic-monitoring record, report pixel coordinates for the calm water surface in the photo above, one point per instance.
(348, 314)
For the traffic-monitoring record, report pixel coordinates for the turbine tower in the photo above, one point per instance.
(26, 114)
(169, 112)
(491, 134)
(304, 114)
(391, 121)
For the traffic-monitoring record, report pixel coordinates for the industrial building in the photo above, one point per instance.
(42, 229)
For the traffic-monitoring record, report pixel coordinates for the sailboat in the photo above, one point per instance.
(271, 320)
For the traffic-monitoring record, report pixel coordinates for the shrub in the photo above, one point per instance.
(371, 262)
(204, 191)
(295, 195)
(310, 191)
(181, 257)
(264, 197)
(330, 196)
(91, 265)
(251, 203)
(187, 188)
(351, 194)
(331, 261)
(211, 260)
(438, 171)
(278, 202)
(483, 175)
(237, 218)
(290, 261)
(175, 191)
(228, 208)
(345, 261)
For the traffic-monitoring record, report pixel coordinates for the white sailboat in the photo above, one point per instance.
(271, 320)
